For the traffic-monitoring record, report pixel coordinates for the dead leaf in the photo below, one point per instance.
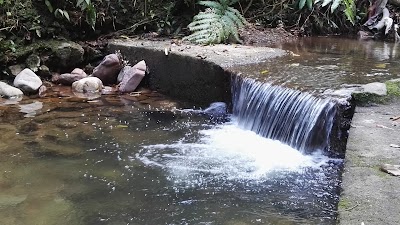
(391, 169)
(380, 65)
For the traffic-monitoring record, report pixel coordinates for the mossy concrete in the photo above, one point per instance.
(199, 74)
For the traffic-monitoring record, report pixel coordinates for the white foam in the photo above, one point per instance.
(227, 152)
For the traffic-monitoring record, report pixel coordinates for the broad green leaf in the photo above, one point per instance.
(38, 33)
(79, 2)
(66, 15)
(309, 4)
(334, 5)
(49, 6)
(326, 2)
(302, 3)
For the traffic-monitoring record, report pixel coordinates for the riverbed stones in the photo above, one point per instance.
(69, 78)
(9, 91)
(28, 81)
(16, 69)
(131, 76)
(107, 71)
(88, 85)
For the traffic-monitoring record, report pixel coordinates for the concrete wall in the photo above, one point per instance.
(180, 76)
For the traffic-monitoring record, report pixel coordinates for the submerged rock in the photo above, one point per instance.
(88, 84)
(131, 76)
(9, 91)
(216, 109)
(107, 71)
(28, 81)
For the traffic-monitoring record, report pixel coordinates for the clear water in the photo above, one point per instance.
(138, 160)
(116, 160)
(321, 63)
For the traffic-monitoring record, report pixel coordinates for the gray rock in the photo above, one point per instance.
(69, 78)
(44, 71)
(88, 84)
(216, 109)
(69, 54)
(27, 81)
(9, 91)
(31, 109)
(374, 88)
(16, 69)
(391, 169)
(107, 71)
(132, 76)
(33, 62)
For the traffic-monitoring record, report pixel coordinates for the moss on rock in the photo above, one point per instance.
(393, 87)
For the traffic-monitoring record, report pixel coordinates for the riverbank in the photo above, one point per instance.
(370, 195)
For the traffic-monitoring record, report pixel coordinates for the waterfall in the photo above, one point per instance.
(297, 119)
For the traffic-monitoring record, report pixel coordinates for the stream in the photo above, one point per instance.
(149, 159)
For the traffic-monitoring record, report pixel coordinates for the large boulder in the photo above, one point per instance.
(131, 76)
(68, 54)
(88, 84)
(9, 91)
(69, 78)
(28, 81)
(107, 71)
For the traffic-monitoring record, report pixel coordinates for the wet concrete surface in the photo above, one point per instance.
(370, 195)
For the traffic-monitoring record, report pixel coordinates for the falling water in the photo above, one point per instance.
(297, 119)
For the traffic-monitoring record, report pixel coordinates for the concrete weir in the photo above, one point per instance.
(203, 74)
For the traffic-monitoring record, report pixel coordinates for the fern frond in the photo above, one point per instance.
(201, 27)
(202, 21)
(216, 24)
(203, 15)
(213, 5)
(238, 15)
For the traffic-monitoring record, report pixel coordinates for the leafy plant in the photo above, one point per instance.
(349, 6)
(218, 23)
(91, 14)
(84, 5)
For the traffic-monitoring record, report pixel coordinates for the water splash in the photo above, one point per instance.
(298, 119)
(226, 152)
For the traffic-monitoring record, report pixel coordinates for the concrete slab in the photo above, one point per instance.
(370, 195)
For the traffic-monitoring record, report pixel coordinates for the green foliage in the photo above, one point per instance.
(348, 9)
(218, 23)
(85, 6)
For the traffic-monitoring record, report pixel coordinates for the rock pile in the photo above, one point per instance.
(112, 70)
